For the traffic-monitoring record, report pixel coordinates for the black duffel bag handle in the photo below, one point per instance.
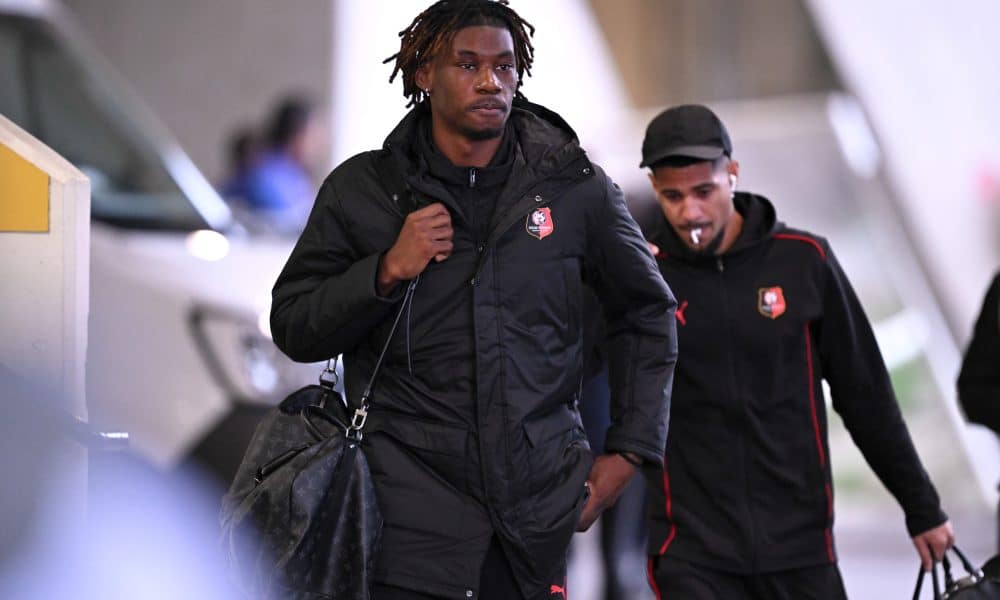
(309, 414)
(974, 586)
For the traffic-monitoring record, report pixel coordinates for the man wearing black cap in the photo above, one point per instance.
(744, 505)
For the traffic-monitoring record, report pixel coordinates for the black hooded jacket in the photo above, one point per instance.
(474, 431)
(746, 486)
(979, 379)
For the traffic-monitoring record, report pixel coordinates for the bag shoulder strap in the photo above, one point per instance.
(361, 413)
(391, 179)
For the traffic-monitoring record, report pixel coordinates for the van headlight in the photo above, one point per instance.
(243, 359)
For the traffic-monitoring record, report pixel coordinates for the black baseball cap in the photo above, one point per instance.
(688, 130)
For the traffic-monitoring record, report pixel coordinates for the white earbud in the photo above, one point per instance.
(732, 180)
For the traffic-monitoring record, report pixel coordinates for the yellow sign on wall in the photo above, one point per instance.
(24, 194)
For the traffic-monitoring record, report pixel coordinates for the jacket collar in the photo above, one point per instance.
(545, 142)
(440, 167)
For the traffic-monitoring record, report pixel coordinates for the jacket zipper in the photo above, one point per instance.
(721, 268)
(497, 232)
(502, 226)
(517, 210)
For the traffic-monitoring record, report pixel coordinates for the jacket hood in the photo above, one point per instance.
(546, 142)
(759, 223)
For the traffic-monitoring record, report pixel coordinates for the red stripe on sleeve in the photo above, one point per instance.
(801, 238)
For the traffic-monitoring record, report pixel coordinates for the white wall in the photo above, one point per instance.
(927, 75)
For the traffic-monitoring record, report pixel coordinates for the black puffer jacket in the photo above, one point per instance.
(746, 486)
(511, 461)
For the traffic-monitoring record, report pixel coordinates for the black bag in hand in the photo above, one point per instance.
(301, 520)
(974, 586)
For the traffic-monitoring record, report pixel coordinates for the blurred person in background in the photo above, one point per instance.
(242, 155)
(486, 209)
(278, 186)
(979, 379)
(744, 505)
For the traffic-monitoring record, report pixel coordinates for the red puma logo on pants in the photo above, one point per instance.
(557, 589)
(680, 313)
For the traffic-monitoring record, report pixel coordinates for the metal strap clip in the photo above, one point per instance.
(358, 423)
(328, 377)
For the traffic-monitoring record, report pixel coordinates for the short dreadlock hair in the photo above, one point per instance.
(433, 30)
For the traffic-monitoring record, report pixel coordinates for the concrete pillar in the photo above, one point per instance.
(44, 289)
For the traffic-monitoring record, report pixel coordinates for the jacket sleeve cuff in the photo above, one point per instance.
(919, 523)
(397, 292)
(616, 443)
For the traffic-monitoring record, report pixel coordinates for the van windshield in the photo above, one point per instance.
(50, 94)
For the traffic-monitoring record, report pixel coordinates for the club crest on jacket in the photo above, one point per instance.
(539, 223)
(771, 302)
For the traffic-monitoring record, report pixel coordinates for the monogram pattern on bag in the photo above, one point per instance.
(311, 528)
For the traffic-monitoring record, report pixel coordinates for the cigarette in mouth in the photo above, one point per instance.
(696, 236)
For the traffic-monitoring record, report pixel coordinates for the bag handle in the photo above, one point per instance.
(318, 412)
(313, 411)
(361, 413)
(949, 580)
(967, 564)
(920, 582)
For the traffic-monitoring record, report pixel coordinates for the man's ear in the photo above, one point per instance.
(424, 77)
(652, 180)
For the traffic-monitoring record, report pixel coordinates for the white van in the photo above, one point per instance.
(179, 354)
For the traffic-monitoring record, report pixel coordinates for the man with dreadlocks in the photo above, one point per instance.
(487, 204)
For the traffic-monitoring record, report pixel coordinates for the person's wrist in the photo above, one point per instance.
(386, 277)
